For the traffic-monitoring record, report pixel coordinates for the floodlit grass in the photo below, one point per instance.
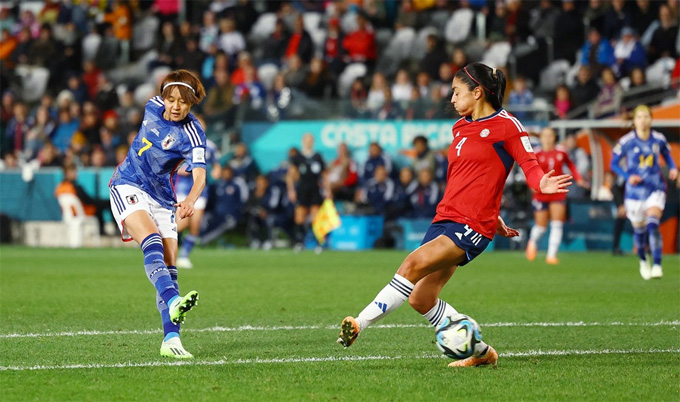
(82, 325)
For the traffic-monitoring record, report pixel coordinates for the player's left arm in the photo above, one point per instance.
(185, 208)
(195, 158)
(518, 145)
(666, 153)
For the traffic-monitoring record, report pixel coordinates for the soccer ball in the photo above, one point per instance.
(457, 336)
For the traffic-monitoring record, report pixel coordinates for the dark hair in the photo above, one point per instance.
(490, 80)
(420, 138)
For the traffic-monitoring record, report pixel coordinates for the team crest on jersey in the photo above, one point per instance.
(485, 133)
(167, 142)
(132, 199)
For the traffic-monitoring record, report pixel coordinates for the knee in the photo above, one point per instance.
(421, 301)
(412, 268)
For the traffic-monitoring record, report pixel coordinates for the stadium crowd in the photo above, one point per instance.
(76, 75)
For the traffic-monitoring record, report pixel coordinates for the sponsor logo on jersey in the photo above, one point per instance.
(485, 133)
(153, 130)
(132, 199)
(167, 142)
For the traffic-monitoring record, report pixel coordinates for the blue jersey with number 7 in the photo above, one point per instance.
(158, 149)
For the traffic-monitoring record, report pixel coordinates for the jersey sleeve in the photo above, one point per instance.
(518, 145)
(194, 149)
(154, 103)
(615, 165)
(665, 150)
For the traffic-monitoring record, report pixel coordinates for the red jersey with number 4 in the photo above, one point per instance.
(555, 159)
(480, 158)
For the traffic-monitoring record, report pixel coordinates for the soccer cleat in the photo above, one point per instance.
(645, 270)
(490, 358)
(531, 250)
(656, 271)
(349, 331)
(184, 262)
(179, 308)
(173, 348)
(552, 260)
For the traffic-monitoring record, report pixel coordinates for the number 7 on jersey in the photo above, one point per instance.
(145, 147)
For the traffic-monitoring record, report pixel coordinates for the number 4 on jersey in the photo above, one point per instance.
(460, 145)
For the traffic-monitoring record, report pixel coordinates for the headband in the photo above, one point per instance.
(478, 83)
(178, 83)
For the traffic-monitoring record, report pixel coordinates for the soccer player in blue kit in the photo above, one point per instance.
(645, 193)
(143, 199)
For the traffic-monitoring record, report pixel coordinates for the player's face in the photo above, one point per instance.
(642, 121)
(176, 108)
(463, 100)
(547, 138)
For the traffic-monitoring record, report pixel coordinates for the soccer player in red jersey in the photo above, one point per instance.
(550, 206)
(487, 141)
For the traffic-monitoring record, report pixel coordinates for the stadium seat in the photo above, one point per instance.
(420, 43)
(312, 22)
(554, 74)
(73, 216)
(33, 82)
(497, 54)
(266, 73)
(264, 26)
(349, 74)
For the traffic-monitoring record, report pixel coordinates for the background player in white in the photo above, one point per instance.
(143, 200)
(645, 194)
(184, 184)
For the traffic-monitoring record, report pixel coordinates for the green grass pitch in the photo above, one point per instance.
(82, 325)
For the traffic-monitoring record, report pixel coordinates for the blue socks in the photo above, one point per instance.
(156, 271)
(188, 244)
(640, 241)
(170, 329)
(655, 242)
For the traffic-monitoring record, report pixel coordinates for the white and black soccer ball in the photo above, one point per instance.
(457, 336)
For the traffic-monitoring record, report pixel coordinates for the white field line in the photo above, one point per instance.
(290, 360)
(245, 328)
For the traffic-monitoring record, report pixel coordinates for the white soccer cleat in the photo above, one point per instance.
(173, 348)
(645, 270)
(656, 271)
(184, 262)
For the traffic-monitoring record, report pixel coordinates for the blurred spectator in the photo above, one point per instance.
(209, 32)
(609, 99)
(426, 196)
(243, 165)
(18, 128)
(594, 14)
(377, 192)
(604, 193)
(496, 21)
(20, 55)
(585, 89)
(91, 75)
(226, 199)
(107, 145)
(105, 98)
(401, 205)
(27, 20)
(360, 44)
(108, 51)
(562, 101)
(358, 96)
(7, 45)
(544, 18)
(266, 210)
(616, 17)
(629, 52)
(435, 55)
(252, 89)
(190, 57)
(65, 130)
(568, 32)
(317, 80)
(294, 71)
(597, 53)
(120, 19)
(638, 90)
(230, 41)
(417, 105)
(244, 15)
(169, 45)
(458, 60)
(274, 47)
(6, 113)
(238, 77)
(520, 98)
(299, 42)
(517, 22)
(390, 110)
(219, 99)
(424, 157)
(7, 20)
(401, 89)
(77, 88)
(342, 175)
(376, 157)
(582, 162)
(645, 12)
(91, 42)
(91, 206)
(664, 33)
(49, 156)
(39, 134)
(333, 52)
(376, 93)
(144, 33)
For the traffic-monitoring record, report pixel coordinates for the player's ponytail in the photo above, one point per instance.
(490, 80)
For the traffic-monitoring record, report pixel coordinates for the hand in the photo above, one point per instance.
(673, 174)
(503, 230)
(634, 179)
(185, 209)
(555, 184)
(292, 196)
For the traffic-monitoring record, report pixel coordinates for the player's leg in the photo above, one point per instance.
(438, 254)
(541, 214)
(655, 242)
(313, 210)
(193, 237)
(301, 212)
(636, 215)
(558, 214)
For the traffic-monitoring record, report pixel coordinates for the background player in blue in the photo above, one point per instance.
(183, 187)
(143, 199)
(645, 194)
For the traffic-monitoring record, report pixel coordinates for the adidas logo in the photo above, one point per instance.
(381, 306)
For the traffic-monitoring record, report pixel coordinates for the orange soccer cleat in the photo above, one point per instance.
(349, 331)
(531, 250)
(552, 260)
(490, 358)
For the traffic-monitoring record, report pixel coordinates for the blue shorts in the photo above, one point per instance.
(462, 235)
(539, 206)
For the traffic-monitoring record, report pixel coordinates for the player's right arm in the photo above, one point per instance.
(291, 177)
